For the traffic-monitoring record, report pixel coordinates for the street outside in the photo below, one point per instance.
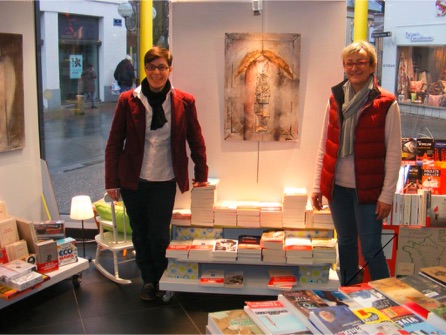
(75, 146)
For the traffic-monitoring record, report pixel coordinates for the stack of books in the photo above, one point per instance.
(321, 219)
(212, 277)
(178, 249)
(324, 250)
(202, 203)
(271, 214)
(272, 243)
(225, 213)
(231, 322)
(248, 214)
(201, 249)
(181, 217)
(248, 249)
(294, 207)
(298, 250)
(225, 249)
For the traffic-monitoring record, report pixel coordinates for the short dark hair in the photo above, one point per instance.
(158, 52)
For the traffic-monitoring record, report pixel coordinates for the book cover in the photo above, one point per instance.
(67, 251)
(408, 150)
(234, 279)
(366, 296)
(212, 278)
(426, 286)
(232, 322)
(304, 301)
(425, 150)
(438, 273)
(371, 315)
(282, 279)
(178, 248)
(401, 316)
(335, 320)
(53, 229)
(386, 328)
(201, 248)
(17, 250)
(272, 239)
(225, 247)
(274, 318)
(249, 244)
(437, 317)
(8, 232)
(27, 232)
(333, 298)
(404, 294)
(47, 256)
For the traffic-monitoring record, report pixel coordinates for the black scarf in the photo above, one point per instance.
(156, 100)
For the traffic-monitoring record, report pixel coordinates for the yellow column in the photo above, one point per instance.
(361, 20)
(145, 32)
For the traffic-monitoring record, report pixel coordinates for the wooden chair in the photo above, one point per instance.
(113, 239)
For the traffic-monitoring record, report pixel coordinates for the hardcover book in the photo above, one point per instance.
(232, 322)
(426, 286)
(274, 318)
(335, 320)
(437, 273)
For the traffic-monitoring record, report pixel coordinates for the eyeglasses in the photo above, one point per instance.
(161, 68)
(360, 64)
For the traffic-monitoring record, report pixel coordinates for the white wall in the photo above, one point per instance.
(20, 178)
(252, 170)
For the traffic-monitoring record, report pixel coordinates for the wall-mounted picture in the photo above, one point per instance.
(262, 75)
(12, 116)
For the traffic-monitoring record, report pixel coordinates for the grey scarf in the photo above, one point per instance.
(350, 108)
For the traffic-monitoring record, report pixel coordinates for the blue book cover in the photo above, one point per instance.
(336, 320)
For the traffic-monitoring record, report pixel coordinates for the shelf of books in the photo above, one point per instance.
(254, 279)
(53, 277)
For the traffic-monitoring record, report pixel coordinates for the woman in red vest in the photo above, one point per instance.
(358, 161)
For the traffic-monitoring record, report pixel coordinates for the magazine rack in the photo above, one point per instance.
(109, 238)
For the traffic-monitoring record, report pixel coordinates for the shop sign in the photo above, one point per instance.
(117, 22)
(377, 34)
(418, 37)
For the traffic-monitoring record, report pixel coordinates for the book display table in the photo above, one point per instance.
(71, 270)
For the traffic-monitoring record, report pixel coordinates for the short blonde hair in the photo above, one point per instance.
(356, 47)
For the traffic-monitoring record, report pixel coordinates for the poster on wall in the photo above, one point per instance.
(12, 123)
(262, 75)
(76, 66)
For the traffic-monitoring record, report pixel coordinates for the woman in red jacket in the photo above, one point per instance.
(146, 158)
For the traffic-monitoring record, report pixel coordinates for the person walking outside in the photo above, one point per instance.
(89, 85)
(358, 161)
(146, 159)
(125, 74)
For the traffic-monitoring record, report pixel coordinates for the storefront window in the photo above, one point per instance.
(421, 75)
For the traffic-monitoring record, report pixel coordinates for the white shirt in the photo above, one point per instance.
(345, 167)
(157, 159)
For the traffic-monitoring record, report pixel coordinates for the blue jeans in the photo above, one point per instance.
(150, 211)
(350, 220)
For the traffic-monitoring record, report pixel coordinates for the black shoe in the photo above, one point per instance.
(148, 292)
(159, 294)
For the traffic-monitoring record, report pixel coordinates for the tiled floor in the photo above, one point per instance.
(100, 306)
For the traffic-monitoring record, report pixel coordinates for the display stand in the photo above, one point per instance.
(70, 270)
(255, 274)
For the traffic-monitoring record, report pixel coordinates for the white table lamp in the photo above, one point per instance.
(81, 209)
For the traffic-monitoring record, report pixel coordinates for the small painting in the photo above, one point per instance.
(12, 125)
(262, 75)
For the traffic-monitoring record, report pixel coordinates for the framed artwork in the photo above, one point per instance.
(12, 125)
(262, 75)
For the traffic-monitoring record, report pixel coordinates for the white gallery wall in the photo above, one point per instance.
(20, 177)
(257, 171)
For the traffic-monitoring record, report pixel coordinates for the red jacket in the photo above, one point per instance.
(125, 147)
(369, 145)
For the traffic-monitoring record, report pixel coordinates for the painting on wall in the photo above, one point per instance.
(12, 125)
(262, 75)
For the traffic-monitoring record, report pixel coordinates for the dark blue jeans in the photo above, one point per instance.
(350, 220)
(150, 211)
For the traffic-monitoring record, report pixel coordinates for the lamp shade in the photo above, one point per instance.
(81, 208)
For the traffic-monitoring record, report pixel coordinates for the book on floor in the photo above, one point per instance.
(335, 320)
(232, 322)
(274, 318)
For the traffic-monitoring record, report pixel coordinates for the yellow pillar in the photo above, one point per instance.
(145, 32)
(361, 20)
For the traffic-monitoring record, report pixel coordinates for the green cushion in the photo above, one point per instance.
(104, 211)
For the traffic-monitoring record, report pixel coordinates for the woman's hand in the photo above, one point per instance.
(316, 200)
(200, 183)
(382, 210)
(114, 193)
